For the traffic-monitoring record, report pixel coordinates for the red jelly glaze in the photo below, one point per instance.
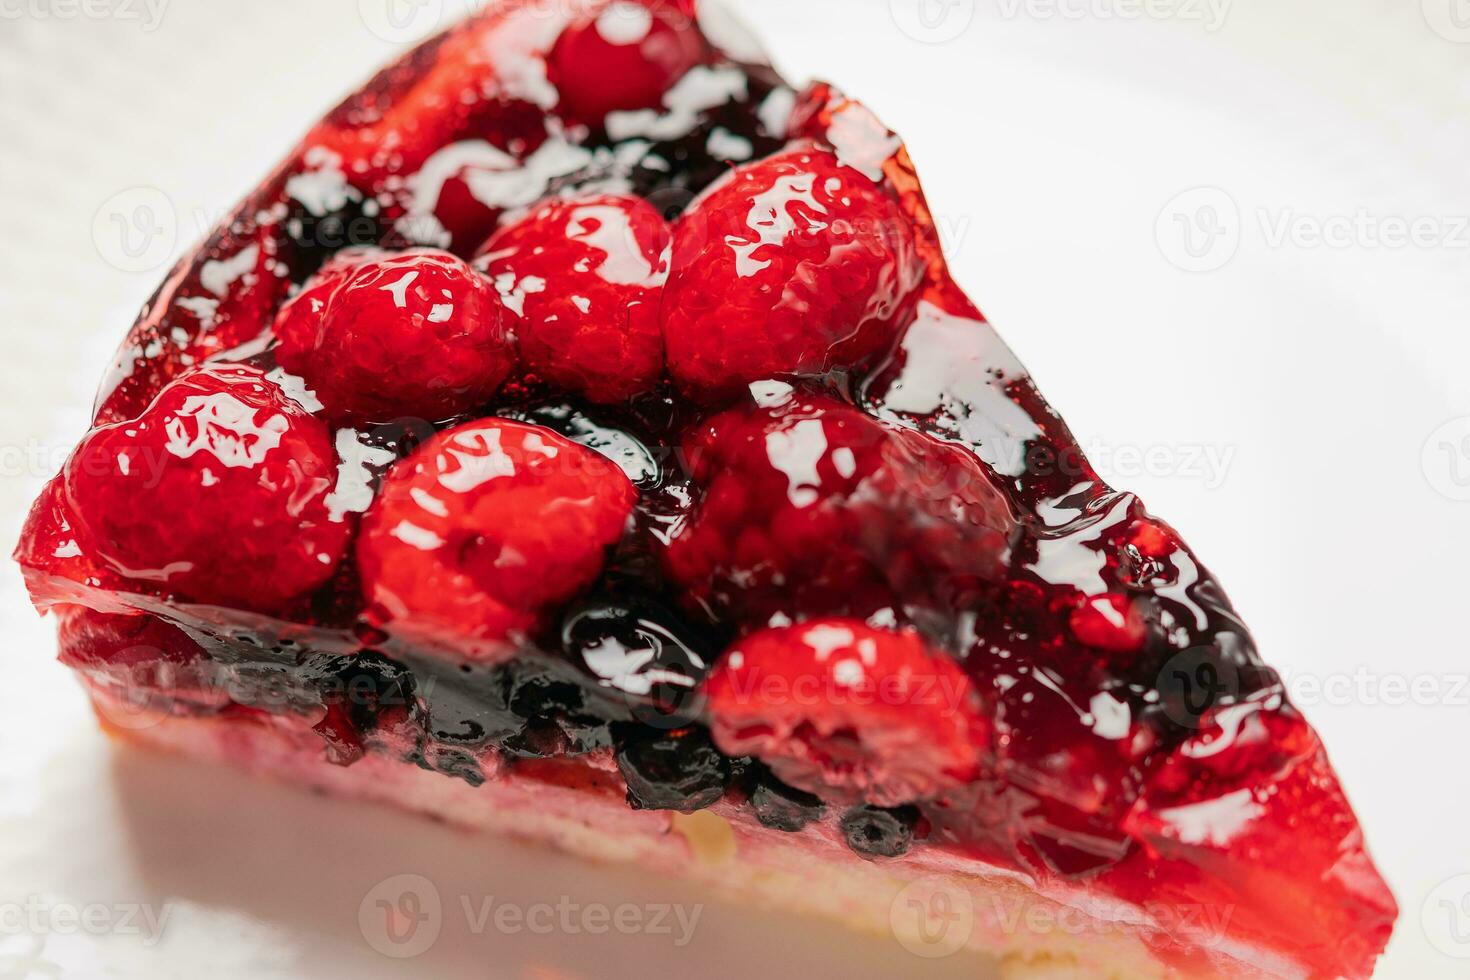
(1067, 607)
(217, 491)
(583, 279)
(483, 529)
(417, 333)
(90, 640)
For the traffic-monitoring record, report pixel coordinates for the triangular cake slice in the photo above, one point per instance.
(580, 435)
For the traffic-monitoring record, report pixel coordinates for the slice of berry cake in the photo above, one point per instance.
(580, 436)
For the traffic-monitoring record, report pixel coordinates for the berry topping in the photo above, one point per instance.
(809, 506)
(360, 694)
(837, 707)
(558, 715)
(780, 807)
(793, 265)
(622, 55)
(677, 770)
(444, 92)
(417, 333)
(641, 652)
(217, 491)
(877, 833)
(583, 279)
(485, 528)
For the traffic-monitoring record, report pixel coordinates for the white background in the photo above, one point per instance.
(1285, 408)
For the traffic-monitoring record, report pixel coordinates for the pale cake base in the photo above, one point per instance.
(976, 908)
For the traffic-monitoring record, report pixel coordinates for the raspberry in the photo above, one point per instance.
(216, 491)
(792, 265)
(485, 528)
(838, 708)
(621, 55)
(583, 278)
(811, 506)
(413, 334)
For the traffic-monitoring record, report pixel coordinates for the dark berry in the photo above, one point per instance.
(454, 762)
(559, 717)
(318, 231)
(645, 654)
(679, 770)
(875, 832)
(365, 685)
(782, 807)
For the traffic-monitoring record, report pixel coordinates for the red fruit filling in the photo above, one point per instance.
(583, 279)
(217, 492)
(839, 708)
(620, 55)
(807, 505)
(413, 334)
(793, 265)
(483, 529)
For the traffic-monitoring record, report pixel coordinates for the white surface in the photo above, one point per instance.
(1052, 148)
